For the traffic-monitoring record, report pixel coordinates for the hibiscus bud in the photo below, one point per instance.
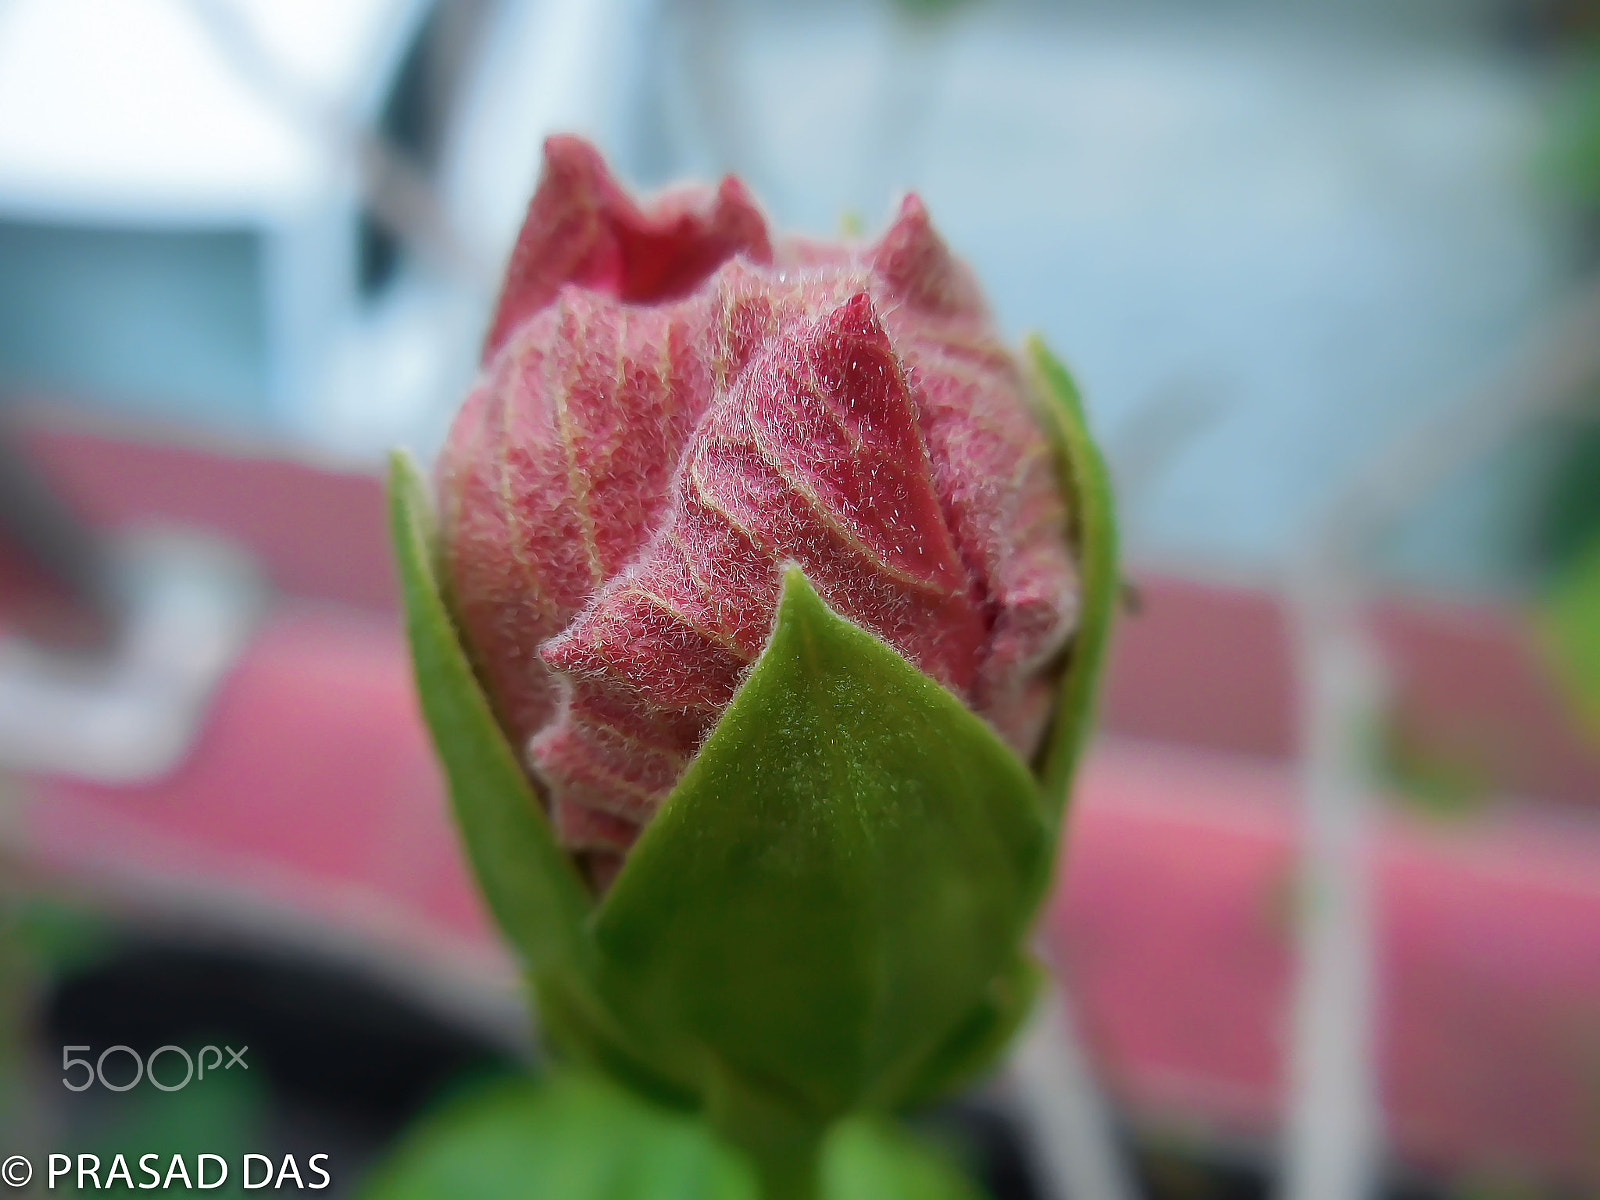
(767, 586)
(673, 406)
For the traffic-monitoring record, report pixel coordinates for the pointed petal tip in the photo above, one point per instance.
(853, 354)
(742, 224)
(732, 192)
(918, 266)
(912, 211)
(857, 317)
(568, 156)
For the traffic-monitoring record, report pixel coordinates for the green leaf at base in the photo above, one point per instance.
(531, 886)
(576, 1136)
(847, 865)
(570, 1137)
(1094, 532)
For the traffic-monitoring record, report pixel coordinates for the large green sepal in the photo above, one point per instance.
(846, 867)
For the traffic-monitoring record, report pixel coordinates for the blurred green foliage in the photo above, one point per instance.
(1564, 542)
(57, 937)
(1571, 165)
(1426, 778)
(930, 9)
(573, 1136)
(39, 937)
(42, 938)
(1569, 628)
(1565, 514)
(224, 1116)
(577, 1136)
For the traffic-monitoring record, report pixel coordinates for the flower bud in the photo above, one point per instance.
(673, 406)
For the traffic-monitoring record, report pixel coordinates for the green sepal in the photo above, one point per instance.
(846, 866)
(530, 884)
(826, 910)
(1087, 487)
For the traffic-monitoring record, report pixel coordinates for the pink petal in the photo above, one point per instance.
(814, 455)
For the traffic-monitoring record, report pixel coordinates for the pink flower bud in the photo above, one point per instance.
(672, 406)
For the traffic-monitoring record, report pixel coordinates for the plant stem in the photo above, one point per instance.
(783, 1143)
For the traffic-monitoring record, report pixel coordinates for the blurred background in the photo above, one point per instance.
(1329, 277)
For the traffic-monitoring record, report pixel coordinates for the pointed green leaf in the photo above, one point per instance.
(1094, 533)
(529, 883)
(845, 867)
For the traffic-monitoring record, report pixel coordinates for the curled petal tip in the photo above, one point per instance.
(583, 228)
(562, 239)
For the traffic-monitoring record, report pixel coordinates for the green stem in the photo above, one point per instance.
(784, 1145)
